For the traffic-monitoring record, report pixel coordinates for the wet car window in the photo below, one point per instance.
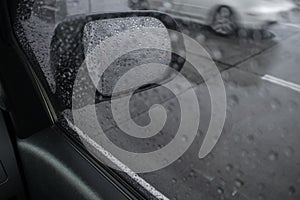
(224, 126)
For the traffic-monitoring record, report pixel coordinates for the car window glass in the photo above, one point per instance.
(225, 127)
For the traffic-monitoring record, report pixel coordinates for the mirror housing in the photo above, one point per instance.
(67, 53)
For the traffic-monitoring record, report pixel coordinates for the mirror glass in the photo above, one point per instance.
(126, 52)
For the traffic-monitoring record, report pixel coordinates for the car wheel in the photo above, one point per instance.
(224, 21)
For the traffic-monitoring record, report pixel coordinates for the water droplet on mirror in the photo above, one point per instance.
(273, 156)
(220, 190)
(289, 151)
(184, 138)
(229, 167)
(216, 54)
(174, 181)
(239, 183)
(234, 192)
(167, 5)
(192, 173)
(292, 190)
(200, 38)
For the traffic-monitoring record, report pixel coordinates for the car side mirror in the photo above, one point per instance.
(107, 46)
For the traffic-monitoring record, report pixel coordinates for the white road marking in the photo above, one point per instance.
(281, 82)
(291, 25)
(119, 164)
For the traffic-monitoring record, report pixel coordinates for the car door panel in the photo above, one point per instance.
(56, 169)
(11, 185)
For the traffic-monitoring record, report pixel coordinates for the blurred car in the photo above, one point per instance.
(297, 2)
(224, 16)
